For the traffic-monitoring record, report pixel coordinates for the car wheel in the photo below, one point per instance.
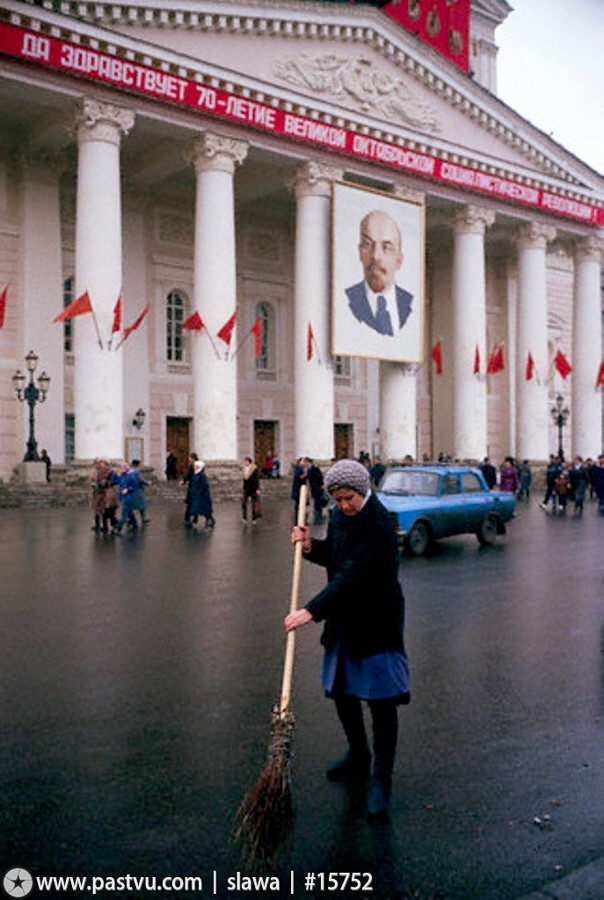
(487, 533)
(418, 539)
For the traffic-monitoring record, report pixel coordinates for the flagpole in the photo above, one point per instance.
(96, 325)
(241, 345)
(214, 347)
(117, 347)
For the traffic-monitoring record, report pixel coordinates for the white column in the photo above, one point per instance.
(398, 410)
(98, 382)
(42, 283)
(313, 379)
(469, 332)
(532, 413)
(587, 350)
(215, 158)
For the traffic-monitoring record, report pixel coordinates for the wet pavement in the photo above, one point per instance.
(138, 673)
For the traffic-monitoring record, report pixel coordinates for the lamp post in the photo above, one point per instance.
(560, 414)
(32, 395)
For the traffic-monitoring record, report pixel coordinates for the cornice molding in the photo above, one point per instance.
(318, 23)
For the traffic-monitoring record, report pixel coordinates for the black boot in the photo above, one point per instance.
(355, 764)
(385, 732)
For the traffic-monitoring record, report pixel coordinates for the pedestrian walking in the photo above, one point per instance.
(554, 467)
(377, 471)
(140, 503)
(526, 478)
(508, 476)
(45, 458)
(597, 477)
(562, 490)
(111, 503)
(200, 503)
(251, 490)
(171, 466)
(99, 482)
(489, 472)
(127, 487)
(314, 477)
(579, 481)
(362, 607)
(186, 480)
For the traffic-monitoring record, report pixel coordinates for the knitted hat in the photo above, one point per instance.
(347, 473)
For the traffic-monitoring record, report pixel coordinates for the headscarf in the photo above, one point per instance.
(347, 473)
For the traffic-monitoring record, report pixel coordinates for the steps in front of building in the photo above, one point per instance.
(60, 492)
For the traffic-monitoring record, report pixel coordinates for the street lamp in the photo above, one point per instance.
(560, 414)
(139, 418)
(32, 394)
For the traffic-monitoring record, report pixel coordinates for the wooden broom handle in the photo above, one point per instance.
(288, 666)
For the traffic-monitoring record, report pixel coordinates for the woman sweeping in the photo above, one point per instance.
(362, 607)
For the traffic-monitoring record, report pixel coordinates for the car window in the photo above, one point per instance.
(400, 482)
(471, 483)
(450, 485)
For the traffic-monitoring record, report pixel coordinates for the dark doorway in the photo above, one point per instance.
(343, 441)
(265, 440)
(178, 441)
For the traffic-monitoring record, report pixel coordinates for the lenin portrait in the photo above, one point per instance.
(377, 301)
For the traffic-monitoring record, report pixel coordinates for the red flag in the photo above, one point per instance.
(128, 331)
(256, 330)
(496, 363)
(530, 367)
(193, 323)
(3, 305)
(562, 364)
(600, 378)
(310, 339)
(226, 332)
(477, 361)
(77, 307)
(117, 316)
(437, 357)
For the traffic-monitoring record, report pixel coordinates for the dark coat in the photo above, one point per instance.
(359, 305)
(199, 501)
(363, 604)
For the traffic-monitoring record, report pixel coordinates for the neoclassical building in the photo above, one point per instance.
(185, 156)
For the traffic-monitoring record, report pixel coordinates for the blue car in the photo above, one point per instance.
(433, 501)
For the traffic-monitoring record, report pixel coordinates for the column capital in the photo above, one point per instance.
(213, 152)
(588, 249)
(409, 370)
(535, 234)
(472, 219)
(98, 121)
(402, 192)
(314, 178)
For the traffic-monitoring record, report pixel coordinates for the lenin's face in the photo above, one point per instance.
(380, 250)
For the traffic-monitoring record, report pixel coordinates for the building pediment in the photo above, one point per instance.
(345, 67)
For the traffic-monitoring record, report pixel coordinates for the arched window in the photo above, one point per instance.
(265, 361)
(175, 316)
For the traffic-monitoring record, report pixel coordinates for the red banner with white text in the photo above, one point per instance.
(92, 64)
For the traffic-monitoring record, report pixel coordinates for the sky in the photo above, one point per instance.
(550, 69)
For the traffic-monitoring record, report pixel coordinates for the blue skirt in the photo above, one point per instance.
(382, 676)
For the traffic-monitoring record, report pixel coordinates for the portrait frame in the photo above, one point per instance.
(351, 335)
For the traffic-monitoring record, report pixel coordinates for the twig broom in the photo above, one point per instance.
(264, 820)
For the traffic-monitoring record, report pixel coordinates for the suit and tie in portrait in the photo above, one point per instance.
(381, 319)
(376, 317)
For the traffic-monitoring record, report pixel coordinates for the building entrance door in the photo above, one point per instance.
(178, 441)
(265, 436)
(343, 441)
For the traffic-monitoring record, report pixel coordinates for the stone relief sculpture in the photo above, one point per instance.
(344, 79)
